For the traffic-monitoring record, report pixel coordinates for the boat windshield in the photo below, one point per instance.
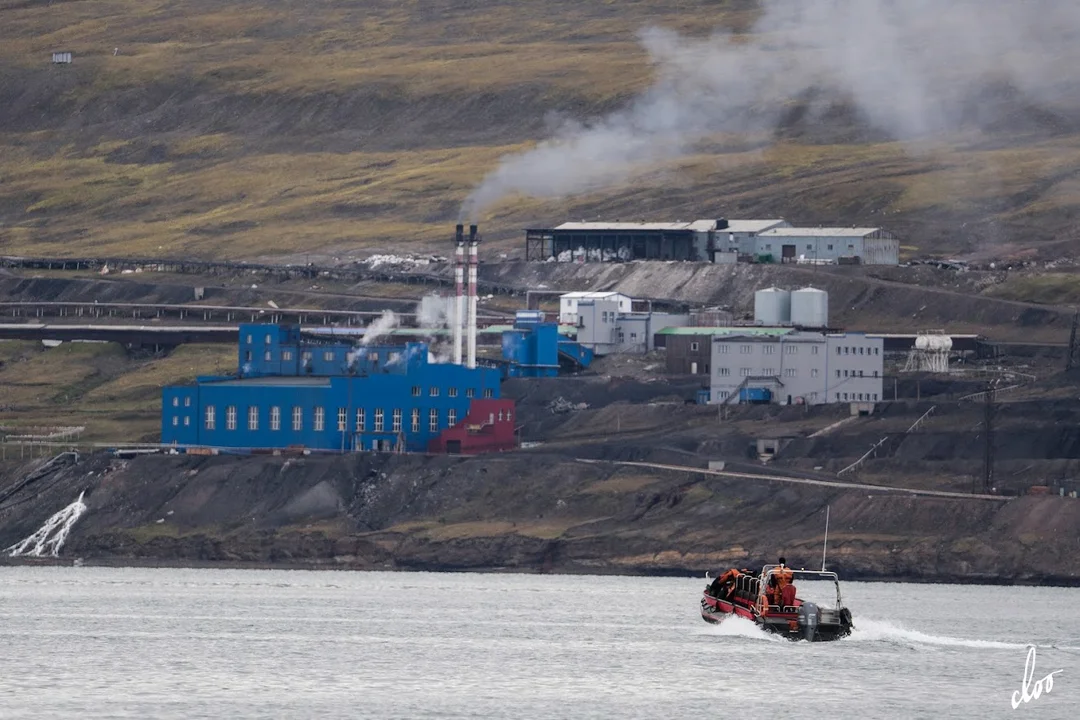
(820, 587)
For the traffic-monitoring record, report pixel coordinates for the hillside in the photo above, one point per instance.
(242, 129)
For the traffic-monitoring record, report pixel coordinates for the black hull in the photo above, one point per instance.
(717, 611)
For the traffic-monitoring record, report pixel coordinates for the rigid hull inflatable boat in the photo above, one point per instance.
(769, 600)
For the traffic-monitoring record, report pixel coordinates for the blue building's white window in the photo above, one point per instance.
(488, 393)
(286, 355)
(378, 420)
(187, 421)
(267, 340)
(416, 391)
(361, 421)
(249, 339)
(267, 356)
(175, 421)
(452, 392)
(397, 420)
(275, 418)
(297, 419)
(433, 391)
(210, 417)
(247, 356)
(470, 393)
(433, 420)
(416, 420)
(176, 402)
(451, 417)
(306, 356)
(342, 419)
(320, 419)
(328, 355)
(253, 417)
(230, 417)
(187, 401)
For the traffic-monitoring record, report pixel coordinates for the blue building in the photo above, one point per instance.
(295, 391)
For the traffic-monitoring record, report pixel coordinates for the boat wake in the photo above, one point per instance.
(868, 630)
(736, 626)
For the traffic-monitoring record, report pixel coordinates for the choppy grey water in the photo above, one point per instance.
(142, 643)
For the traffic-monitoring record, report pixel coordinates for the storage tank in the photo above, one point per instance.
(772, 306)
(810, 308)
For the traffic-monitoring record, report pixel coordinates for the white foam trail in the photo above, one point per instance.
(736, 626)
(50, 537)
(869, 630)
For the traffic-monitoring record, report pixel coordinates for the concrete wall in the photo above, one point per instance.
(799, 367)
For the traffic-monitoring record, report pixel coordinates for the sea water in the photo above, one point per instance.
(144, 643)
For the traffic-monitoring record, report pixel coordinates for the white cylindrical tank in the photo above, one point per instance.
(772, 306)
(810, 308)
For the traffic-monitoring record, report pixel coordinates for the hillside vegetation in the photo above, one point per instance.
(242, 129)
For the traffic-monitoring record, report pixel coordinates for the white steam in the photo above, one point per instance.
(914, 69)
(435, 312)
(379, 327)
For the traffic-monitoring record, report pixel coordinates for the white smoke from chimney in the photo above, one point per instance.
(379, 327)
(915, 69)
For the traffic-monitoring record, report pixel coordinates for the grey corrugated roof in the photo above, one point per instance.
(819, 232)
(696, 225)
(751, 226)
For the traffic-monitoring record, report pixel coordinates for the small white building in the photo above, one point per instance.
(568, 304)
(62, 57)
(872, 246)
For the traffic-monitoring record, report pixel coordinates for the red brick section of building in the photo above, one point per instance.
(489, 427)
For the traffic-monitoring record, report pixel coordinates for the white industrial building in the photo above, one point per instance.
(605, 329)
(797, 367)
(568, 304)
(790, 357)
(871, 246)
(740, 236)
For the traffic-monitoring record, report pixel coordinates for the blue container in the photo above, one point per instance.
(755, 395)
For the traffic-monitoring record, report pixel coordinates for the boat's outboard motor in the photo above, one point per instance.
(809, 619)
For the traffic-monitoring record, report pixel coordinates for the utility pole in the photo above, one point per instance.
(988, 433)
(1072, 356)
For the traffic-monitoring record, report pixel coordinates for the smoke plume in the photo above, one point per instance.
(914, 69)
(379, 327)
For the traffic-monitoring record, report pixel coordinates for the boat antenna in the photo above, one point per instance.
(825, 547)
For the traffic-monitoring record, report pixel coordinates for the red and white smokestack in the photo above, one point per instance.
(459, 281)
(474, 240)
